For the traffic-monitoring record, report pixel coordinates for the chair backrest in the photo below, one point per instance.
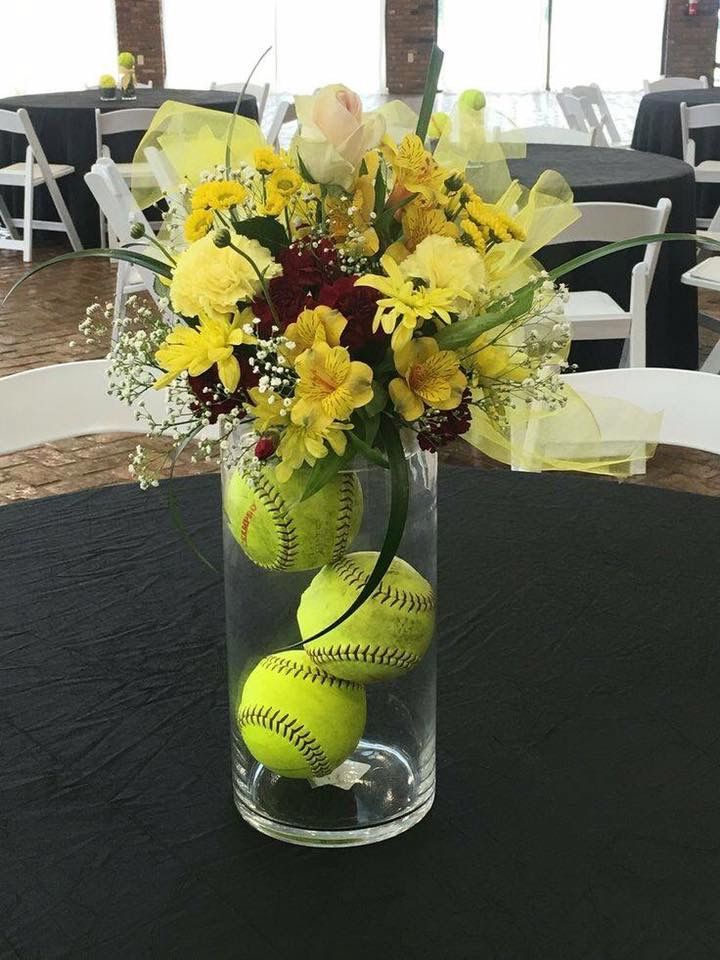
(693, 118)
(10, 122)
(66, 400)
(21, 123)
(675, 83)
(544, 134)
(115, 200)
(596, 108)
(261, 92)
(120, 121)
(689, 400)
(576, 113)
(608, 222)
(285, 113)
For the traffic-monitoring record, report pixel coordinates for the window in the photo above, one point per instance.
(41, 54)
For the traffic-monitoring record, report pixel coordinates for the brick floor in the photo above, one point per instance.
(39, 321)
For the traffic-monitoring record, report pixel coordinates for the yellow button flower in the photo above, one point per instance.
(430, 377)
(330, 384)
(404, 307)
(322, 323)
(218, 195)
(198, 225)
(305, 441)
(198, 349)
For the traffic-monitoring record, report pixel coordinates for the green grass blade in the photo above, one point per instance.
(432, 78)
(619, 245)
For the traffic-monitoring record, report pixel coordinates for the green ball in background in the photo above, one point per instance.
(297, 720)
(390, 633)
(279, 530)
(472, 100)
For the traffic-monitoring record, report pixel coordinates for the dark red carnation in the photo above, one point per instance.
(358, 305)
(311, 263)
(289, 298)
(204, 388)
(443, 426)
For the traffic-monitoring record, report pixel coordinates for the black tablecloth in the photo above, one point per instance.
(65, 125)
(628, 177)
(657, 129)
(578, 806)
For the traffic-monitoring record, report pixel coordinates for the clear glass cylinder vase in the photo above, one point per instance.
(333, 738)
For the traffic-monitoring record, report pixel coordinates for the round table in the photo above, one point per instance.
(65, 125)
(657, 129)
(579, 740)
(625, 176)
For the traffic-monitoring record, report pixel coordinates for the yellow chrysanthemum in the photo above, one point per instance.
(330, 384)
(198, 349)
(218, 195)
(266, 160)
(198, 225)
(265, 408)
(322, 323)
(414, 168)
(495, 225)
(429, 377)
(304, 441)
(212, 281)
(405, 306)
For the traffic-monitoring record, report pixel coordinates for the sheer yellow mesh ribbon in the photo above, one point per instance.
(184, 141)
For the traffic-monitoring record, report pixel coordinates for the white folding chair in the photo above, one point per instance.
(594, 315)
(118, 205)
(695, 118)
(689, 400)
(576, 115)
(285, 114)
(546, 134)
(29, 174)
(134, 120)
(675, 83)
(66, 400)
(597, 111)
(261, 93)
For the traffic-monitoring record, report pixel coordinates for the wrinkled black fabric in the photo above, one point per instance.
(657, 129)
(65, 125)
(624, 176)
(578, 807)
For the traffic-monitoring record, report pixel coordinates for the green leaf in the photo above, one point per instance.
(174, 507)
(380, 192)
(397, 517)
(378, 402)
(139, 259)
(431, 85)
(236, 109)
(367, 451)
(323, 471)
(463, 332)
(266, 230)
(619, 245)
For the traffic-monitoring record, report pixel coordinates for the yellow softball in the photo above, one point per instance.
(386, 637)
(298, 720)
(279, 530)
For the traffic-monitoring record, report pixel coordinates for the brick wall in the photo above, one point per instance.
(139, 30)
(690, 41)
(410, 31)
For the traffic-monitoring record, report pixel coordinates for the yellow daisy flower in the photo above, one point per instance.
(198, 225)
(218, 195)
(304, 441)
(285, 181)
(266, 160)
(330, 384)
(197, 349)
(428, 377)
(322, 323)
(404, 307)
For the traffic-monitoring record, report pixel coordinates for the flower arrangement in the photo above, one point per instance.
(107, 82)
(126, 63)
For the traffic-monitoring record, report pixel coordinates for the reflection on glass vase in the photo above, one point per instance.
(333, 733)
(127, 84)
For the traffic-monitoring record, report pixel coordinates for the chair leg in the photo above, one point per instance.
(64, 213)
(28, 219)
(123, 275)
(103, 231)
(6, 219)
(712, 363)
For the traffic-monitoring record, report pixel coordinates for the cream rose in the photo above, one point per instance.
(335, 134)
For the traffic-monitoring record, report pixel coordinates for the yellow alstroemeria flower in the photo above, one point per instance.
(266, 413)
(492, 359)
(404, 307)
(420, 220)
(304, 441)
(198, 225)
(198, 349)
(322, 323)
(429, 377)
(350, 219)
(330, 384)
(414, 168)
(218, 195)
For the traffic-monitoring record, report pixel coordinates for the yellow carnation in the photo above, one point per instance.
(198, 225)
(442, 262)
(218, 195)
(212, 281)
